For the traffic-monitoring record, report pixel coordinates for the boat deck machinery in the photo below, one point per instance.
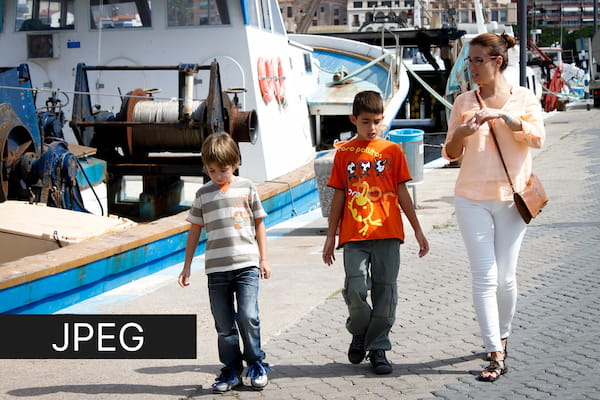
(35, 162)
(157, 140)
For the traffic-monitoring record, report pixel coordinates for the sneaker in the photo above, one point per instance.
(356, 352)
(257, 371)
(379, 362)
(226, 382)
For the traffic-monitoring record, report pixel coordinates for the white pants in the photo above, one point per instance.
(493, 232)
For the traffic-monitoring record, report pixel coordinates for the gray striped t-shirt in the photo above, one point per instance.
(228, 219)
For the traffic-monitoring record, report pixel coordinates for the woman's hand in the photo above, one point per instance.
(469, 127)
(487, 114)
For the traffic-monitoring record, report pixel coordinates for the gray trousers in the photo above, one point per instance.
(372, 265)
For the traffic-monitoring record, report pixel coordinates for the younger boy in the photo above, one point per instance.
(369, 175)
(229, 208)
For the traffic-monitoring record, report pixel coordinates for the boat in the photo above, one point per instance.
(346, 67)
(561, 82)
(148, 84)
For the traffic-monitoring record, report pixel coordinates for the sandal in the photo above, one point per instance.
(504, 341)
(494, 371)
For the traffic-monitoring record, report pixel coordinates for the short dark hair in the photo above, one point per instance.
(220, 148)
(367, 101)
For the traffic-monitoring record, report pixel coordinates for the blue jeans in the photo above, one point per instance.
(234, 304)
(372, 265)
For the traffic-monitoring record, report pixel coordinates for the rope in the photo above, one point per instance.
(429, 88)
(363, 68)
(325, 70)
(88, 93)
(561, 95)
(155, 111)
(91, 186)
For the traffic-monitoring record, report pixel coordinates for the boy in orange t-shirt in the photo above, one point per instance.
(369, 176)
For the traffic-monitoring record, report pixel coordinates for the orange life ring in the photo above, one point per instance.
(279, 80)
(265, 79)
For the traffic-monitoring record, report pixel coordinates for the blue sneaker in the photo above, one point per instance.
(226, 382)
(257, 371)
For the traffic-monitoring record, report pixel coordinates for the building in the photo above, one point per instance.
(324, 13)
(433, 13)
(569, 14)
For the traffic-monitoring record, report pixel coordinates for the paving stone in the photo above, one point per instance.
(437, 351)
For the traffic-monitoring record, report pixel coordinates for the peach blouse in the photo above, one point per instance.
(481, 175)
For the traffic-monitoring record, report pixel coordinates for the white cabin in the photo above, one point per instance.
(52, 37)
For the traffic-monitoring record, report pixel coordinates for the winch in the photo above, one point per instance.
(159, 140)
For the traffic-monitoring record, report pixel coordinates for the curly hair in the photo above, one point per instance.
(496, 45)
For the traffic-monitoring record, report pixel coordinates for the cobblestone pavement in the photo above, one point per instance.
(436, 349)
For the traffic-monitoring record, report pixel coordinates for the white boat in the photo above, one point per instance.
(560, 80)
(141, 83)
(346, 67)
(240, 35)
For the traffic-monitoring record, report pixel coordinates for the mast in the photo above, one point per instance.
(417, 18)
(522, 18)
(479, 17)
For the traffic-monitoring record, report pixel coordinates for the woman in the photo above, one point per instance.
(489, 222)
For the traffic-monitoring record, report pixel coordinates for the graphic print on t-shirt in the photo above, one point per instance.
(369, 173)
(241, 216)
(360, 192)
(380, 165)
(361, 207)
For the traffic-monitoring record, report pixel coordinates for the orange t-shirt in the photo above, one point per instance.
(369, 173)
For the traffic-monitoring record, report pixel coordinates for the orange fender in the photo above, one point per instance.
(279, 80)
(265, 79)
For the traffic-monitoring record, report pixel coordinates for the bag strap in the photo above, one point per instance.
(493, 133)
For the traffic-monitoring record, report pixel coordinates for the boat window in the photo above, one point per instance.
(307, 63)
(112, 14)
(37, 15)
(197, 12)
(278, 24)
(266, 14)
(251, 17)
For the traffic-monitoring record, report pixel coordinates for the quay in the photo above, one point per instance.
(436, 348)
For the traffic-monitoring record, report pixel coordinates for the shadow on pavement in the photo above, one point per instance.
(334, 369)
(103, 389)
